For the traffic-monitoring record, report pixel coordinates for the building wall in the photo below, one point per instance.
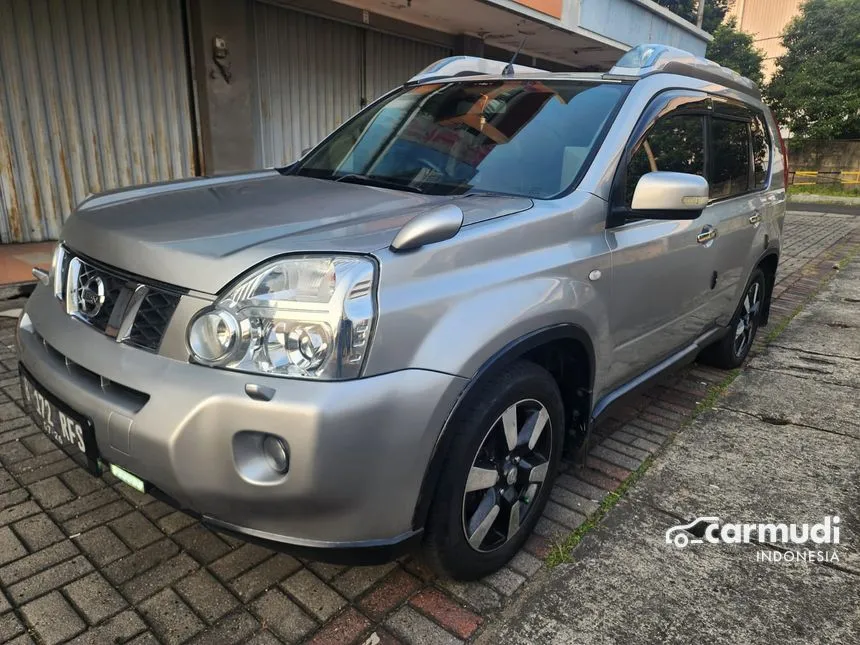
(632, 23)
(766, 20)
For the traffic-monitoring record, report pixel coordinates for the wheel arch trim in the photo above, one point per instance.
(511, 352)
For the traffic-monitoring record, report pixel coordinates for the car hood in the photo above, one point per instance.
(201, 234)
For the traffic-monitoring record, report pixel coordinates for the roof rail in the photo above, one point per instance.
(467, 66)
(644, 60)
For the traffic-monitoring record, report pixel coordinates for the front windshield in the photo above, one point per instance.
(519, 137)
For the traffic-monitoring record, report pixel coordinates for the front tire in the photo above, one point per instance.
(497, 476)
(731, 351)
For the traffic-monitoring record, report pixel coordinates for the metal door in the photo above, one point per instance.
(94, 96)
(309, 79)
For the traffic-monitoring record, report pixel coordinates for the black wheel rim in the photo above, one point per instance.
(748, 319)
(507, 475)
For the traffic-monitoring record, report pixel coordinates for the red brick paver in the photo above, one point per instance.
(91, 560)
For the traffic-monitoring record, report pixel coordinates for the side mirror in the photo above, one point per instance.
(670, 195)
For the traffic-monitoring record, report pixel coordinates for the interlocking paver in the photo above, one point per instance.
(505, 581)
(102, 546)
(390, 593)
(52, 578)
(417, 629)
(160, 576)
(135, 530)
(231, 630)
(197, 586)
(478, 595)
(171, 618)
(94, 598)
(314, 595)
(128, 567)
(356, 580)
(53, 619)
(51, 492)
(206, 595)
(345, 629)
(114, 630)
(201, 544)
(239, 561)
(282, 616)
(10, 627)
(33, 564)
(38, 532)
(10, 546)
(452, 616)
(265, 575)
(17, 512)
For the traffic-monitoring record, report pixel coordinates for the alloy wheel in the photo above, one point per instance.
(506, 475)
(747, 319)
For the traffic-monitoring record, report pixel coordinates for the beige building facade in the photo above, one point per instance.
(766, 20)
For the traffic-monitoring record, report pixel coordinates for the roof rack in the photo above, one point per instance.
(468, 66)
(644, 60)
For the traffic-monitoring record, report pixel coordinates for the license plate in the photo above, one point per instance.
(73, 433)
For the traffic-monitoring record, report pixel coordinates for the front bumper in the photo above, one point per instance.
(358, 449)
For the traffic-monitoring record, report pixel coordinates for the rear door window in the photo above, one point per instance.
(730, 148)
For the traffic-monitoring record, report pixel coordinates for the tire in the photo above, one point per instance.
(731, 351)
(465, 537)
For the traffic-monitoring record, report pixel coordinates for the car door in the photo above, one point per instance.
(661, 269)
(739, 158)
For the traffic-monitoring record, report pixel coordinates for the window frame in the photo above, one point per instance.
(670, 101)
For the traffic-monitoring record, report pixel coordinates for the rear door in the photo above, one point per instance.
(661, 273)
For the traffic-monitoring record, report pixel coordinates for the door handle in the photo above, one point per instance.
(708, 233)
(755, 218)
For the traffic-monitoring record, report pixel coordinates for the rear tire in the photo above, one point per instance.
(497, 476)
(731, 351)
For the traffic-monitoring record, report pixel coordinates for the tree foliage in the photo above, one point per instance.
(816, 88)
(715, 11)
(736, 50)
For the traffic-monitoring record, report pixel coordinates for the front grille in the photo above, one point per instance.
(152, 319)
(113, 287)
(119, 305)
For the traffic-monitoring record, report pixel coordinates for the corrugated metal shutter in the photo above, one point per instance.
(391, 61)
(309, 79)
(94, 96)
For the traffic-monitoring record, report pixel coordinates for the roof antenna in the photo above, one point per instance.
(509, 68)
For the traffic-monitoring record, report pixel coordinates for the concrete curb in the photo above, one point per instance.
(804, 198)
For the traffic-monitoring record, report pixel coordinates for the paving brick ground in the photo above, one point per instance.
(88, 560)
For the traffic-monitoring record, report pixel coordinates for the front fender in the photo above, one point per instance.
(476, 329)
(449, 307)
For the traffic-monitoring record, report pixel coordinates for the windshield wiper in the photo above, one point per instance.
(369, 180)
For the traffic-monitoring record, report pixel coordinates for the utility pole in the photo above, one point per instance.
(701, 17)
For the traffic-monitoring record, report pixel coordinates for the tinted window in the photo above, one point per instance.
(731, 158)
(519, 137)
(675, 143)
(761, 152)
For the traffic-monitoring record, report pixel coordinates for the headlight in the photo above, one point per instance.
(306, 316)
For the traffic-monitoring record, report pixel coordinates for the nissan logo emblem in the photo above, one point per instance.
(91, 296)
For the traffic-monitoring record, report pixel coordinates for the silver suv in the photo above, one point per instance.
(391, 341)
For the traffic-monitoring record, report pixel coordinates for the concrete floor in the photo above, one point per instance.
(782, 445)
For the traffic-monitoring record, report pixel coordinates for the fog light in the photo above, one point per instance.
(276, 453)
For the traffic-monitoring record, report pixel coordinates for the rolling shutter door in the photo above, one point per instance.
(94, 96)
